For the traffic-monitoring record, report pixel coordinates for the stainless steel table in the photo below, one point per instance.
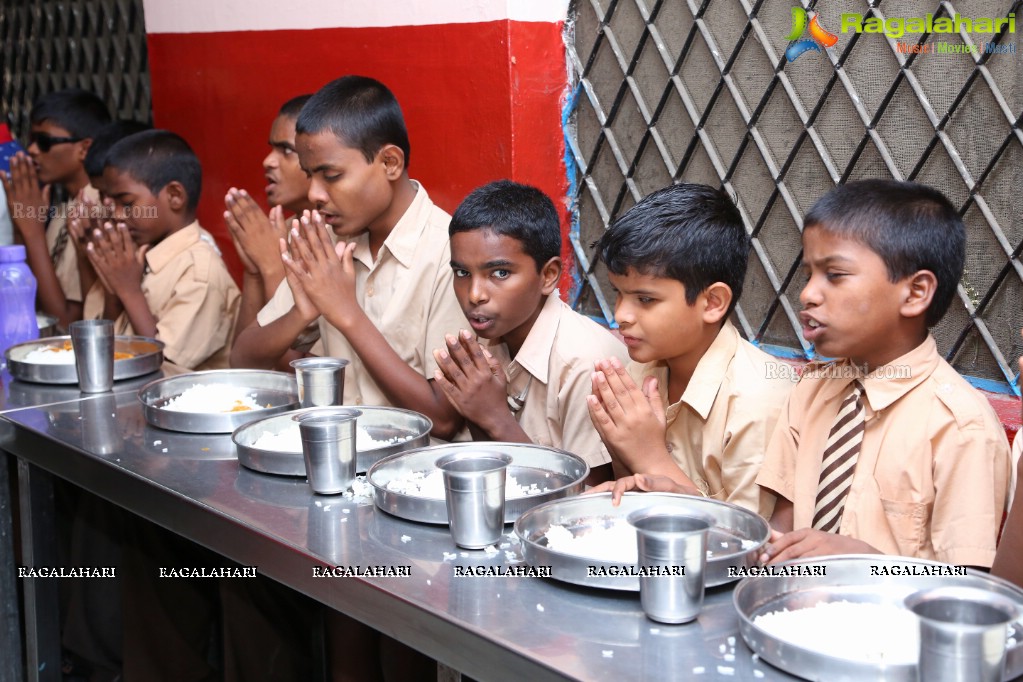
(37, 522)
(488, 627)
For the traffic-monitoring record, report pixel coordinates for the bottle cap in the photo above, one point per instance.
(12, 254)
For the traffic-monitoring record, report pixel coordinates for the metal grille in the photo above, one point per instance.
(98, 45)
(681, 90)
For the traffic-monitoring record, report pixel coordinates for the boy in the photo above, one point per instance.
(1007, 562)
(530, 381)
(92, 209)
(888, 449)
(256, 235)
(677, 260)
(163, 280)
(383, 298)
(63, 125)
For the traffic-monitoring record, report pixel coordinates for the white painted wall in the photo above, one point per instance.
(209, 16)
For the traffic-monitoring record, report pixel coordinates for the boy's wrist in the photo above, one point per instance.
(31, 230)
(344, 322)
(298, 319)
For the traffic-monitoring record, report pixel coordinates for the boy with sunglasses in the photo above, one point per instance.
(63, 125)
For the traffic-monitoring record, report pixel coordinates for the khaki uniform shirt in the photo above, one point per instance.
(933, 470)
(406, 293)
(62, 251)
(95, 299)
(193, 298)
(719, 430)
(553, 367)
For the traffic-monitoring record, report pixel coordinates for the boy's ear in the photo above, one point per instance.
(716, 298)
(550, 273)
(393, 159)
(177, 197)
(83, 148)
(920, 288)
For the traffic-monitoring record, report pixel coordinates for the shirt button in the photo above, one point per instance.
(369, 291)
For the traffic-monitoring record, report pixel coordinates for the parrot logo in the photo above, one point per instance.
(821, 37)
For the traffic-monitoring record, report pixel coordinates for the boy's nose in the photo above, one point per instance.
(810, 295)
(623, 314)
(317, 195)
(477, 292)
(270, 162)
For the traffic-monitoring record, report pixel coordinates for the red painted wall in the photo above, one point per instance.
(482, 101)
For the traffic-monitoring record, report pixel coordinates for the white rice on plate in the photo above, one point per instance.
(430, 485)
(872, 633)
(50, 355)
(290, 440)
(213, 399)
(612, 543)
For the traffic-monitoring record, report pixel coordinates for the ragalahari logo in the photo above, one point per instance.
(821, 37)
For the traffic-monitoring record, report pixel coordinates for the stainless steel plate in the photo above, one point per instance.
(734, 527)
(849, 578)
(381, 423)
(276, 389)
(148, 358)
(562, 473)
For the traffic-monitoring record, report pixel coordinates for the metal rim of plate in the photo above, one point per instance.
(279, 389)
(731, 521)
(386, 422)
(527, 461)
(143, 363)
(849, 578)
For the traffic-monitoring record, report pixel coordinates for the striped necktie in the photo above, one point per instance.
(839, 462)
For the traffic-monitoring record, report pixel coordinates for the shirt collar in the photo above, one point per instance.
(710, 371)
(535, 354)
(171, 246)
(403, 238)
(887, 383)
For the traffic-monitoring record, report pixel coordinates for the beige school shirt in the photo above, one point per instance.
(62, 251)
(193, 298)
(95, 299)
(406, 292)
(718, 431)
(553, 367)
(933, 471)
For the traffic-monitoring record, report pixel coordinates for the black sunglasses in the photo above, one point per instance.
(45, 142)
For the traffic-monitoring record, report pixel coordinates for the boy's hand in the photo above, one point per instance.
(256, 236)
(116, 259)
(472, 380)
(85, 221)
(809, 542)
(325, 273)
(630, 421)
(303, 306)
(644, 482)
(28, 202)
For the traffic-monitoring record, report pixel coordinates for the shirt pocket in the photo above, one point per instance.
(908, 523)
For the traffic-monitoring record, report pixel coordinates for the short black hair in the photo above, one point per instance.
(78, 111)
(910, 226)
(156, 158)
(293, 106)
(360, 111)
(108, 135)
(513, 210)
(686, 232)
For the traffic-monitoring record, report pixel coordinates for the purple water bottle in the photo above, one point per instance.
(17, 300)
